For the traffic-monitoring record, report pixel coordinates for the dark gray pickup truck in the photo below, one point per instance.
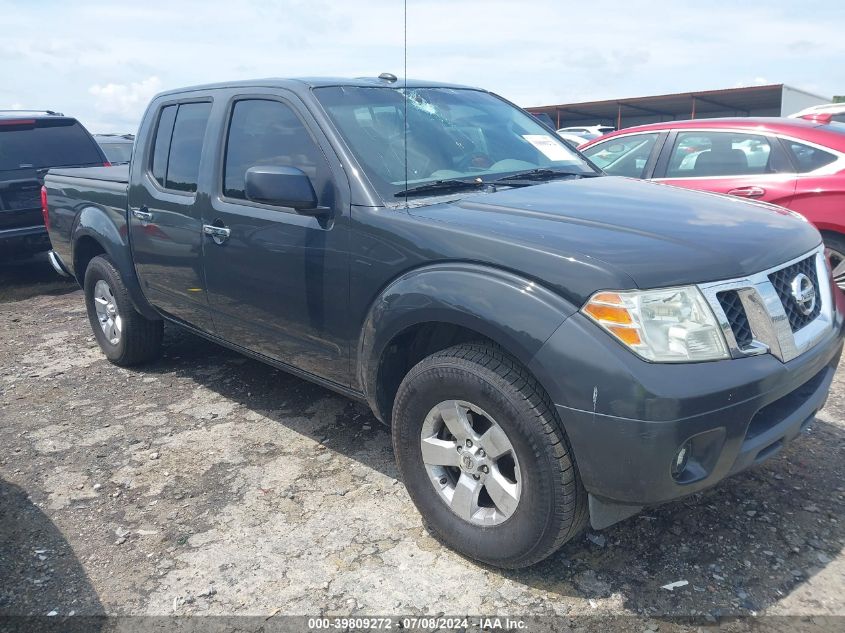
(550, 346)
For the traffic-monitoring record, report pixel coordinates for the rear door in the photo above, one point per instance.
(279, 283)
(164, 218)
(820, 188)
(738, 163)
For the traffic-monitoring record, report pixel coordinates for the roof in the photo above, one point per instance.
(758, 123)
(31, 114)
(299, 83)
(745, 100)
(800, 128)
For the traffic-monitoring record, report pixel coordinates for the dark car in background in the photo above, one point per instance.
(31, 142)
(117, 147)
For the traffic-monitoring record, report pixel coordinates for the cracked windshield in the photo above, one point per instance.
(454, 135)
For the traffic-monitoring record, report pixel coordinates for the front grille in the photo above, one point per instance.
(763, 314)
(737, 318)
(782, 282)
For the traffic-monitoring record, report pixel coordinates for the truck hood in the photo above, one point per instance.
(656, 234)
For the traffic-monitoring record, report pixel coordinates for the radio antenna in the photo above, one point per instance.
(405, 100)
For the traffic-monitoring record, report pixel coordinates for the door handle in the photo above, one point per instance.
(217, 233)
(748, 192)
(142, 214)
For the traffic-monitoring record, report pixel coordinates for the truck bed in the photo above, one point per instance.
(77, 196)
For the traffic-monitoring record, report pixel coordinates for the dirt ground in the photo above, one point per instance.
(207, 483)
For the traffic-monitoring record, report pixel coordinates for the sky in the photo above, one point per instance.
(101, 61)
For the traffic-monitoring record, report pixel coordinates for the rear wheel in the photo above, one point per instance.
(834, 246)
(125, 336)
(484, 457)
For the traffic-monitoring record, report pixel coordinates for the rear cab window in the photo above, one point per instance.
(117, 152)
(177, 147)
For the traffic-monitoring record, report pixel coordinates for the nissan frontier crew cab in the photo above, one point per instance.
(551, 346)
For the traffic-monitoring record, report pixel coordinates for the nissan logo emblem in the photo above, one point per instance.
(804, 294)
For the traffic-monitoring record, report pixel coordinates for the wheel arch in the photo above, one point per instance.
(434, 307)
(97, 233)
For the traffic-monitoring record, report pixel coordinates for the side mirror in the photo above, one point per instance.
(282, 186)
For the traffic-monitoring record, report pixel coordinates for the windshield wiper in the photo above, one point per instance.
(452, 184)
(543, 174)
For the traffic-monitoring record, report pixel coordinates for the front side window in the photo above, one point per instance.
(809, 158)
(702, 154)
(625, 156)
(451, 134)
(264, 132)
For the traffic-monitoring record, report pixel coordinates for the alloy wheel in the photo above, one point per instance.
(837, 264)
(107, 312)
(471, 463)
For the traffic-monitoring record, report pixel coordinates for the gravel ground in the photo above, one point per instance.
(207, 483)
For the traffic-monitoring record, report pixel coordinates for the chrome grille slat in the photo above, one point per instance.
(781, 280)
(735, 313)
(767, 309)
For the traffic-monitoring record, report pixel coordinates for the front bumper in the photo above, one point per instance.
(626, 419)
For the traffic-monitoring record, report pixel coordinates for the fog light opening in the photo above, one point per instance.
(679, 463)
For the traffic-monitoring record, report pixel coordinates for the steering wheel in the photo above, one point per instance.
(475, 160)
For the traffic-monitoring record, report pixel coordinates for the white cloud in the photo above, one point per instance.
(102, 60)
(125, 100)
(757, 81)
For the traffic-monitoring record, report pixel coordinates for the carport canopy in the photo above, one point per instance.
(621, 113)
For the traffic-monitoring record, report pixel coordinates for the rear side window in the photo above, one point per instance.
(809, 158)
(626, 156)
(178, 145)
(263, 132)
(161, 149)
(40, 143)
(702, 154)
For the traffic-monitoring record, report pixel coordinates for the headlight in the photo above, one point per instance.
(664, 326)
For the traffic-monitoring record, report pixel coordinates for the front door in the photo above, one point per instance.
(278, 283)
(165, 221)
(742, 164)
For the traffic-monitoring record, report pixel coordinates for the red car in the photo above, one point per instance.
(795, 163)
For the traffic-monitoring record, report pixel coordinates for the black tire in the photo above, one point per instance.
(140, 338)
(835, 245)
(552, 508)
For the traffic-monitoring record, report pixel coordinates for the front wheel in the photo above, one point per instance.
(125, 336)
(834, 247)
(484, 457)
